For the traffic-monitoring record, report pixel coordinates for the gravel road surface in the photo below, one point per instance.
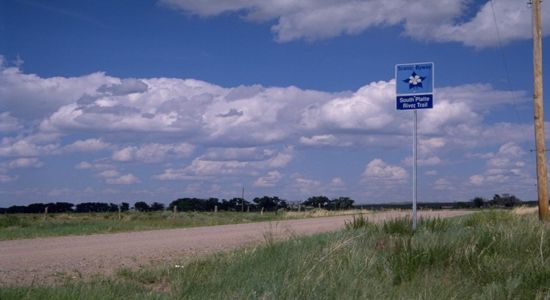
(49, 260)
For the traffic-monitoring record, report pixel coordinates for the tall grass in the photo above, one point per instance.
(496, 255)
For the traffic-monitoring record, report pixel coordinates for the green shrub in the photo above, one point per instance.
(357, 223)
(11, 221)
(400, 226)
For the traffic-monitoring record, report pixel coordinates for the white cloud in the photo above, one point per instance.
(6, 178)
(337, 184)
(89, 145)
(269, 180)
(174, 174)
(124, 179)
(83, 165)
(319, 140)
(513, 19)
(370, 108)
(214, 164)
(114, 177)
(443, 184)
(476, 179)
(31, 162)
(24, 147)
(504, 166)
(306, 186)
(29, 96)
(442, 20)
(241, 154)
(246, 117)
(126, 154)
(377, 169)
(152, 153)
(194, 130)
(9, 123)
(109, 174)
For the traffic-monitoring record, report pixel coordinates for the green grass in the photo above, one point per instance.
(19, 226)
(488, 255)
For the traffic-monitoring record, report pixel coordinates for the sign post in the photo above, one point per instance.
(414, 85)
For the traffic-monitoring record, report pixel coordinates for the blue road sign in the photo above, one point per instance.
(414, 85)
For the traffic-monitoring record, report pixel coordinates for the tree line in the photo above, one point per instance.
(265, 203)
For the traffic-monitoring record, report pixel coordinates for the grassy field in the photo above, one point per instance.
(488, 255)
(18, 226)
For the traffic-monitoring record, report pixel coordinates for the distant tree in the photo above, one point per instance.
(124, 206)
(35, 208)
(60, 207)
(234, 204)
(95, 207)
(157, 206)
(317, 201)
(17, 209)
(270, 203)
(210, 204)
(505, 200)
(194, 204)
(339, 203)
(478, 202)
(141, 206)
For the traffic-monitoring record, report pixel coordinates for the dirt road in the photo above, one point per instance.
(46, 260)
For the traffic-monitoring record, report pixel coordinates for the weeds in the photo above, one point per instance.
(399, 226)
(488, 255)
(357, 223)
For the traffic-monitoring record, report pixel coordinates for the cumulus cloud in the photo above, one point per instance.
(443, 20)
(9, 123)
(195, 130)
(306, 186)
(25, 147)
(28, 96)
(269, 180)
(212, 165)
(513, 19)
(124, 87)
(504, 166)
(245, 116)
(124, 179)
(28, 162)
(84, 165)
(337, 184)
(377, 169)
(442, 184)
(89, 145)
(370, 108)
(152, 153)
(114, 177)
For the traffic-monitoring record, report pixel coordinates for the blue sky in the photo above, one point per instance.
(156, 100)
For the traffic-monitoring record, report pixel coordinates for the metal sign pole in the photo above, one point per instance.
(414, 89)
(415, 156)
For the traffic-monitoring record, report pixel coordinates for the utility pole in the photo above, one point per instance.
(542, 175)
(242, 200)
